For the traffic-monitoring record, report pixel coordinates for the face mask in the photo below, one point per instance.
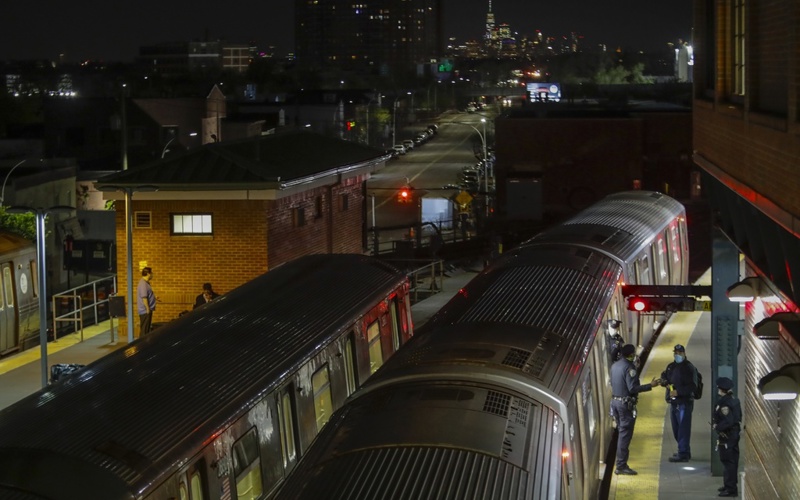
(679, 358)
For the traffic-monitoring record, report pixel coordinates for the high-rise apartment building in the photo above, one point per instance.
(373, 36)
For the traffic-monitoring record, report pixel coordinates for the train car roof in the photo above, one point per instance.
(543, 306)
(10, 242)
(621, 224)
(129, 415)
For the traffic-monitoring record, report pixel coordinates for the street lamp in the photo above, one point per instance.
(41, 269)
(485, 157)
(164, 151)
(128, 190)
(394, 121)
(3, 192)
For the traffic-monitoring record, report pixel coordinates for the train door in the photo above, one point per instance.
(350, 367)
(8, 311)
(193, 485)
(662, 267)
(588, 423)
(323, 398)
(395, 324)
(374, 346)
(644, 276)
(247, 466)
(678, 262)
(287, 416)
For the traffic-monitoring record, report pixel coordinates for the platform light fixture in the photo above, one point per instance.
(746, 290)
(781, 385)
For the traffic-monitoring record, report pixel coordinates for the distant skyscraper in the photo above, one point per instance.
(489, 24)
(377, 36)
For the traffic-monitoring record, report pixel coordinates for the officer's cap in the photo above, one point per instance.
(725, 383)
(628, 350)
(679, 348)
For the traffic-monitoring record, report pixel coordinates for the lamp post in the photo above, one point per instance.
(3, 192)
(128, 190)
(485, 157)
(41, 270)
(394, 121)
(164, 151)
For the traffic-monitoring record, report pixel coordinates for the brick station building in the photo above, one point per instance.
(227, 212)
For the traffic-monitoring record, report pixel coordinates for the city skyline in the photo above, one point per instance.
(77, 33)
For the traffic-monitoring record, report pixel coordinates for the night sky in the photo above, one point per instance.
(114, 30)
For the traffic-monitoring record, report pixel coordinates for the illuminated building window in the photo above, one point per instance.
(191, 224)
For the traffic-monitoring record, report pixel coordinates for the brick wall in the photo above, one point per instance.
(579, 160)
(751, 139)
(236, 253)
(249, 238)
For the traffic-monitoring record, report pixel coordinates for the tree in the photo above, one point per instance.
(20, 224)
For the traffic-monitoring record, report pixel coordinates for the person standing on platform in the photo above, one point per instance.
(146, 300)
(625, 389)
(727, 420)
(680, 379)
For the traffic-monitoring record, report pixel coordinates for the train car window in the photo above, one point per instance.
(663, 262)
(375, 352)
(197, 486)
(184, 491)
(247, 466)
(395, 326)
(8, 283)
(34, 278)
(675, 242)
(643, 271)
(350, 363)
(323, 404)
(286, 417)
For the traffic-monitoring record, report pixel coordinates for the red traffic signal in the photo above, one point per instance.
(404, 195)
(664, 303)
(351, 124)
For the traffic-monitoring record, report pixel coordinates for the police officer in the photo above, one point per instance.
(727, 421)
(625, 389)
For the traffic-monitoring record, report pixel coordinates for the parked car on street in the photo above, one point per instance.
(399, 149)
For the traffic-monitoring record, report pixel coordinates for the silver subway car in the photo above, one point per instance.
(19, 293)
(504, 393)
(220, 403)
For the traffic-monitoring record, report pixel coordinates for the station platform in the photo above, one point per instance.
(652, 444)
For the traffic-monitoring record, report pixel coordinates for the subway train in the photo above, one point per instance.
(504, 393)
(19, 304)
(220, 403)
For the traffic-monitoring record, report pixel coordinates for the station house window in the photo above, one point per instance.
(191, 224)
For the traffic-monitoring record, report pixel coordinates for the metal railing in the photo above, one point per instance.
(82, 306)
(426, 280)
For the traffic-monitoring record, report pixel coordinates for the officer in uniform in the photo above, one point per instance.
(727, 422)
(625, 389)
